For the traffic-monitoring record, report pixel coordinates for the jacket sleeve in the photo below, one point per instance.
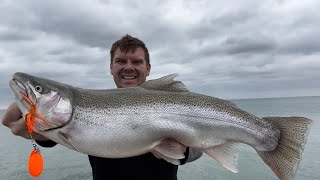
(191, 154)
(47, 143)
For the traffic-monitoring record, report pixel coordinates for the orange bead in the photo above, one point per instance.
(35, 163)
(30, 122)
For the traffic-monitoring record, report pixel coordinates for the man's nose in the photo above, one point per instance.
(128, 66)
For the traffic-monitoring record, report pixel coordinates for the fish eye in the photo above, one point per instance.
(38, 88)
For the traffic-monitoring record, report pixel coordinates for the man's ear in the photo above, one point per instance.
(148, 69)
(111, 69)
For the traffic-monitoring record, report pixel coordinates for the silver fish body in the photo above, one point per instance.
(115, 118)
(127, 122)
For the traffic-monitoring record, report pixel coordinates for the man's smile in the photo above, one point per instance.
(128, 77)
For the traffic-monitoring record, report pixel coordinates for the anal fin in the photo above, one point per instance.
(226, 155)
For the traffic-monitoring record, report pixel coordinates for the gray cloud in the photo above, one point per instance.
(250, 45)
(230, 50)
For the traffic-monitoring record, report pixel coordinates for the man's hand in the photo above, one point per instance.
(13, 119)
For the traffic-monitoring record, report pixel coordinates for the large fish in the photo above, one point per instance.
(125, 122)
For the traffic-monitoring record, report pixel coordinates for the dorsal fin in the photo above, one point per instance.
(165, 83)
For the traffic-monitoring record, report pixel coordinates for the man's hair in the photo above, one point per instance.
(128, 43)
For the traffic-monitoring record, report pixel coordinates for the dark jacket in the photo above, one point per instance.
(143, 167)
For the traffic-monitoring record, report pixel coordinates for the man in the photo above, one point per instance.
(130, 65)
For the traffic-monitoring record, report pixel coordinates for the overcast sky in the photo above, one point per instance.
(227, 49)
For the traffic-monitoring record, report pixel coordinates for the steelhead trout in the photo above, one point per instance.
(126, 122)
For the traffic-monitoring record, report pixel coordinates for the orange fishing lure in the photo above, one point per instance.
(35, 164)
(32, 115)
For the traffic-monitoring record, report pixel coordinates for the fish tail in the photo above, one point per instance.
(285, 159)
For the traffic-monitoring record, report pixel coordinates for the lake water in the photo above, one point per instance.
(62, 163)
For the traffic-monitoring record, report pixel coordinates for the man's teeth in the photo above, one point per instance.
(129, 77)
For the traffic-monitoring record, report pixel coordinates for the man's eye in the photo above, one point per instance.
(137, 62)
(120, 61)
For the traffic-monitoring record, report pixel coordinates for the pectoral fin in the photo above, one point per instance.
(170, 150)
(65, 137)
(226, 154)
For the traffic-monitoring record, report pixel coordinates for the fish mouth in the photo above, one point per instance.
(17, 85)
(20, 89)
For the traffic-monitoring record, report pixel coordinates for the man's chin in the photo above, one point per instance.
(129, 84)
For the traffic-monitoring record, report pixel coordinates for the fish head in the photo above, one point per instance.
(51, 100)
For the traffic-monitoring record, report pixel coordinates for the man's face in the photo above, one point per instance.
(129, 69)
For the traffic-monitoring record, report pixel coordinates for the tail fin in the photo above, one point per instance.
(285, 159)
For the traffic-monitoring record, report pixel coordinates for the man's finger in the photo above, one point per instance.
(18, 128)
(12, 114)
